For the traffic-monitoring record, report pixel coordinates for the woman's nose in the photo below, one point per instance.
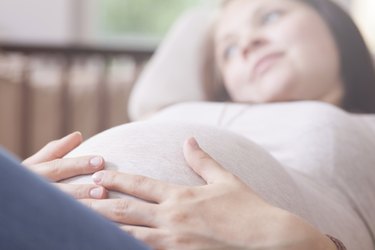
(251, 43)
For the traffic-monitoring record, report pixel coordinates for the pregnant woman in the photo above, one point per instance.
(305, 175)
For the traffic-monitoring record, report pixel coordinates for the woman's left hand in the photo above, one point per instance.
(50, 163)
(224, 214)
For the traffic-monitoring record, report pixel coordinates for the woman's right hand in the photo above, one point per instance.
(223, 214)
(49, 163)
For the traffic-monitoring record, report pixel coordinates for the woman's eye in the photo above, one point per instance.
(230, 51)
(271, 16)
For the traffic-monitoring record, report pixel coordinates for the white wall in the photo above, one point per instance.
(46, 21)
(364, 14)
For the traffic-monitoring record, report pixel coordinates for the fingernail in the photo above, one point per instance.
(96, 162)
(97, 177)
(96, 192)
(193, 143)
(77, 132)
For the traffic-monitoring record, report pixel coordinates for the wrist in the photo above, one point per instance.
(327, 243)
(302, 235)
(338, 244)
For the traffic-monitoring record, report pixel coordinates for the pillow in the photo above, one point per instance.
(174, 73)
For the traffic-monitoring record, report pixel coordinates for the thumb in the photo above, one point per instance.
(202, 163)
(55, 149)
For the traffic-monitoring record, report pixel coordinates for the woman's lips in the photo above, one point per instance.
(265, 63)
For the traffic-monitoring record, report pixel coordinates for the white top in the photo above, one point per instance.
(310, 158)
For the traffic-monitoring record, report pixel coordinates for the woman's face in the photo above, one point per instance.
(277, 50)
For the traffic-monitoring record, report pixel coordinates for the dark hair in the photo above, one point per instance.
(356, 64)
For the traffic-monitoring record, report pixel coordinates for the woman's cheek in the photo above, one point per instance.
(235, 77)
(292, 31)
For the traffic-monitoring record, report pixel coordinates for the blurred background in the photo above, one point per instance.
(69, 65)
(140, 22)
(90, 21)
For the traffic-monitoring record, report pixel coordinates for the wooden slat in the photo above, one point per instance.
(103, 96)
(140, 53)
(65, 106)
(26, 114)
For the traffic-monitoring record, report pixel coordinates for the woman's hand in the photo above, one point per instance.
(224, 214)
(48, 162)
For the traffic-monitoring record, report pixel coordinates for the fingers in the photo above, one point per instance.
(83, 191)
(134, 185)
(61, 169)
(203, 164)
(125, 211)
(55, 149)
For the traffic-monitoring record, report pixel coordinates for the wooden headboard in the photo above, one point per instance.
(27, 136)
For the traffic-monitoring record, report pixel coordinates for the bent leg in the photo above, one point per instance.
(35, 215)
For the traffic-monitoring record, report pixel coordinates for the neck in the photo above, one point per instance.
(334, 97)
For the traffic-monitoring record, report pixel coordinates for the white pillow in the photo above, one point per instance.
(173, 75)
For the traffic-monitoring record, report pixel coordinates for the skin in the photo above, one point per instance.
(49, 163)
(303, 63)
